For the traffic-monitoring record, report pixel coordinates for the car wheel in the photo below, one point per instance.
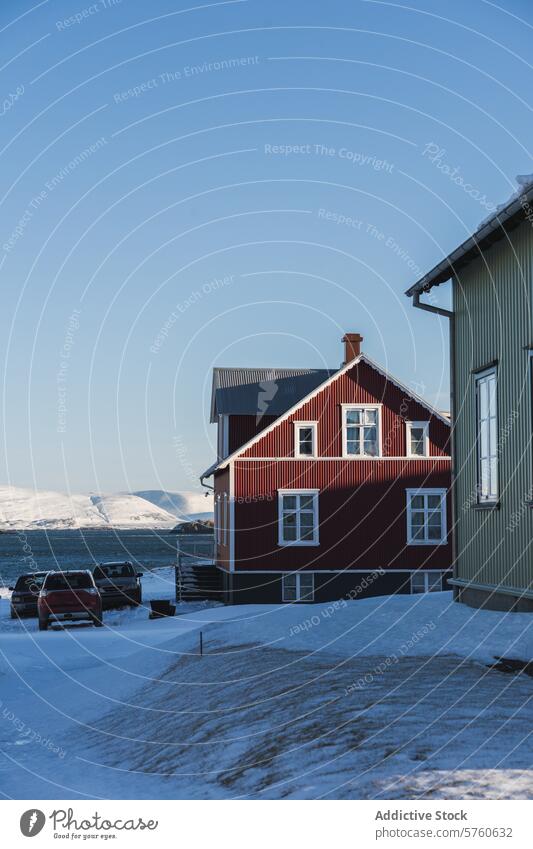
(97, 620)
(14, 614)
(43, 624)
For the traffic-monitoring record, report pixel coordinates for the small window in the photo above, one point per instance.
(361, 431)
(426, 516)
(426, 582)
(487, 436)
(298, 586)
(298, 517)
(305, 439)
(417, 439)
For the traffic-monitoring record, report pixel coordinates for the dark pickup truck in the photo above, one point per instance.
(119, 584)
(25, 594)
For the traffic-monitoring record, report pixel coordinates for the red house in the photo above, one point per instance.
(328, 484)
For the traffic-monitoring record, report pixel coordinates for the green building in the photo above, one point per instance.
(491, 343)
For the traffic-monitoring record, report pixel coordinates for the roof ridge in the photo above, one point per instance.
(271, 368)
(317, 389)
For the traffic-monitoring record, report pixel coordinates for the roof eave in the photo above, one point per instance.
(503, 221)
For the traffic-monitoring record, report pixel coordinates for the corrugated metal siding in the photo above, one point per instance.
(247, 391)
(363, 385)
(243, 428)
(361, 513)
(492, 304)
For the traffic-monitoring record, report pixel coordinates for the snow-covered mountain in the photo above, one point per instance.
(28, 509)
(182, 505)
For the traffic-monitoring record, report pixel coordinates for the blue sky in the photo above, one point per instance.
(231, 184)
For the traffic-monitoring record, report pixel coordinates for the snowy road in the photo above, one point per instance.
(384, 698)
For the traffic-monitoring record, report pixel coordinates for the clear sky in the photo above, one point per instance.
(236, 183)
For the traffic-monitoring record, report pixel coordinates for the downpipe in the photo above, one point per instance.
(417, 303)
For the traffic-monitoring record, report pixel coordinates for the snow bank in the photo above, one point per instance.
(375, 698)
(402, 625)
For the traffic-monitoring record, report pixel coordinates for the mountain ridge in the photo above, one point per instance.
(22, 508)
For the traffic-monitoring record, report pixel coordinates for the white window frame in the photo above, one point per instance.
(217, 519)
(225, 522)
(425, 427)
(491, 497)
(297, 428)
(410, 493)
(300, 542)
(425, 575)
(310, 597)
(344, 410)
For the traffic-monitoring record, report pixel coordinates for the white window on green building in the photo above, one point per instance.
(487, 436)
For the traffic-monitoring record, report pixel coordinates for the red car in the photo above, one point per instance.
(69, 597)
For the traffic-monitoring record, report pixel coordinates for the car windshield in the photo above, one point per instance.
(29, 583)
(70, 581)
(114, 570)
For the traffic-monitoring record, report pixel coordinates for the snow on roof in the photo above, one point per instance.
(506, 216)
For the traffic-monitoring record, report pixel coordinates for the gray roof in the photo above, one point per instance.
(506, 218)
(262, 391)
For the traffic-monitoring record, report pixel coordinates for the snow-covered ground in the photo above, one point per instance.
(28, 509)
(390, 697)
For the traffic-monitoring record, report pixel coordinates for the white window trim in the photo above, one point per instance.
(491, 499)
(217, 519)
(344, 408)
(298, 600)
(314, 428)
(426, 575)
(225, 520)
(315, 541)
(425, 427)
(444, 526)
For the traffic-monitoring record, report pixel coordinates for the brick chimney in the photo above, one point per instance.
(352, 346)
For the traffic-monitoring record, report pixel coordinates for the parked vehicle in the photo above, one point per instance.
(69, 597)
(25, 594)
(119, 584)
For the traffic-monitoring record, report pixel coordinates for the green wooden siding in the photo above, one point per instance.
(492, 305)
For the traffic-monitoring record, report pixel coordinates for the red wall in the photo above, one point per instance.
(362, 516)
(243, 428)
(363, 385)
(362, 503)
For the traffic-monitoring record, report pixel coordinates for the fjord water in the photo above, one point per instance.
(28, 551)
